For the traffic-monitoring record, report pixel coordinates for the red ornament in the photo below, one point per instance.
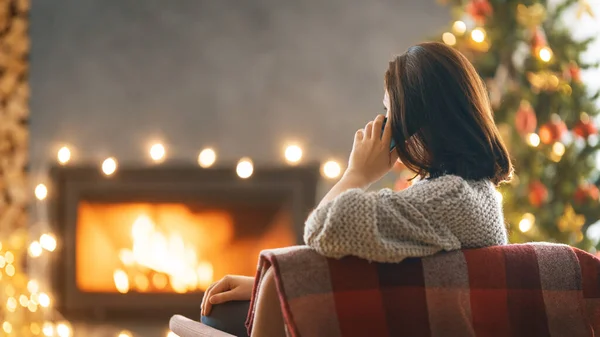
(538, 40)
(525, 119)
(552, 131)
(584, 127)
(538, 193)
(573, 72)
(586, 192)
(479, 10)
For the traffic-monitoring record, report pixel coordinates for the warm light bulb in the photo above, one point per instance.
(7, 327)
(35, 328)
(9, 257)
(545, 54)
(121, 281)
(41, 191)
(207, 158)
(32, 306)
(63, 330)
(499, 195)
(332, 169)
(10, 270)
(63, 155)
(33, 286)
(11, 304)
(526, 222)
(35, 249)
(24, 301)
(124, 333)
(172, 334)
(459, 27)
(109, 166)
(449, 38)
(533, 139)
(157, 152)
(558, 148)
(48, 329)
(48, 242)
(293, 154)
(44, 300)
(244, 168)
(478, 35)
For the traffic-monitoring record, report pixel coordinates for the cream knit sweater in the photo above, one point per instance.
(445, 213)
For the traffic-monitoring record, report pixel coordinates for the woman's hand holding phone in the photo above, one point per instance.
(371, 157)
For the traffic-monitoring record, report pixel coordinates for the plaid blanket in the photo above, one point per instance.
(513, 290)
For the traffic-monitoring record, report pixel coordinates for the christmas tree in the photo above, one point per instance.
(531, 65)
(26, 303)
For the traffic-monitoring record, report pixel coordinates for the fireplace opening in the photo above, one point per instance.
(172, 247)
(147, 242)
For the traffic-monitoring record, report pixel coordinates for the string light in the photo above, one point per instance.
(293, 154)
(526, 222)
(10, 270)
(331, 169)
(48, 329)
(109, 166)
(478, 35)
(533, 139)
(7, 327)
(63, 330)
(207, 158)
(157, 152)
(41, 191)
(23, 300)
(449, 38)
(121, 281)
(545, 54)
(459, 27)
(35, 328)
(244, 168)
(44, 300)
(124, 333)
(558, 149)
(33, 286)
(9, 257)
(63, 155)
(11, 304)
(48, 242)
(35, 249)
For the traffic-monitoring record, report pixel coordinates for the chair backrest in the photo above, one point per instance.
(513, 290)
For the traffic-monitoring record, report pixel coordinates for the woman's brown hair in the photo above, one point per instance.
(441, 116)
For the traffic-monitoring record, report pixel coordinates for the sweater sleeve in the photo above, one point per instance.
(385, 226)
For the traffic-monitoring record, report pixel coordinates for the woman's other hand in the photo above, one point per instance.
(229, 288)
(371, 158)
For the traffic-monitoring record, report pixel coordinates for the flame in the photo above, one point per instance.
(160, 259)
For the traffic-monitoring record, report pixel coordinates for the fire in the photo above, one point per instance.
(162, 248)
(157, 260)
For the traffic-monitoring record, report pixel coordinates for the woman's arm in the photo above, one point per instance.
(387, 226)
(348, 181)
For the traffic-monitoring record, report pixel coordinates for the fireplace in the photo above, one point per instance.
(146, 242)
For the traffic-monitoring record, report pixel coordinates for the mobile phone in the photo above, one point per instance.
(392, 143)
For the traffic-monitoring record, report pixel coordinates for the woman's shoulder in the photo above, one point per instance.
(451, 184)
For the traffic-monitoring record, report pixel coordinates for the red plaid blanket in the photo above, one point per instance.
(514, 290)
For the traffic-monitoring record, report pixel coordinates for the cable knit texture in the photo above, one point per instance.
(445, 213)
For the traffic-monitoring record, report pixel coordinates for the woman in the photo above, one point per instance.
(441, 120)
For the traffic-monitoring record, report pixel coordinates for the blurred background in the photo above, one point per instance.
(149, 148)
